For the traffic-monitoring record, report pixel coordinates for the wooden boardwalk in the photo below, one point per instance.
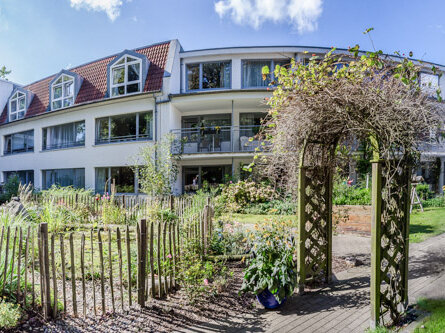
(344, 305)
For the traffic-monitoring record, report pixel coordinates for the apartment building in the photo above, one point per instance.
(85, 125)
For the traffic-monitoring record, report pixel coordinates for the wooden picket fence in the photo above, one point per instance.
(101, 270)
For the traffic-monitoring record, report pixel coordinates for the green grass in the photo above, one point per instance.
(436, 321)
(427, 224)
(423, 225)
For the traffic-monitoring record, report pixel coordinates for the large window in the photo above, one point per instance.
(123, 178)
(25, 176)
(19, 142)
(253, 69)
(209, 75)
(64, 136)
(17, 106)
(195, 177)
(64, 177)
(127, 127)
(62, 91)
(126, 76)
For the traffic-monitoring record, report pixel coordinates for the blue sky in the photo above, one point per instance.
(40, 37)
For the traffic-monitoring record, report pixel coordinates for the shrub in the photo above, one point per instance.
(273, 265)
(200, 278)
(235, 196)
(10, 189)
(228, 239)
(424, 192)
(434, 202)
(343, 194)
(10, 315)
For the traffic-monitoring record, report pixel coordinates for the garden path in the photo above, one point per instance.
(344, 305)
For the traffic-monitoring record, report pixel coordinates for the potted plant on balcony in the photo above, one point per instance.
(271, 272)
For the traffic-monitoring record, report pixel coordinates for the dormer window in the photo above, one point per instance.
(17, 106)
(126, 76)
(62, 91)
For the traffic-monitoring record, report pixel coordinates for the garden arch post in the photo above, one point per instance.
(390, 239)
(315, 213)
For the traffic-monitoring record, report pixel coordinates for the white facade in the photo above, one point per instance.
(172, 108)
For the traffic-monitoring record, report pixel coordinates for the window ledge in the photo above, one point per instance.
(121, 142)
(64, 148)
(21, 153)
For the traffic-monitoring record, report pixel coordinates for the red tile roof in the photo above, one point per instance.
(94, 85)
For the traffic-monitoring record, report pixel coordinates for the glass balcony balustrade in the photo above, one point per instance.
(218, 139)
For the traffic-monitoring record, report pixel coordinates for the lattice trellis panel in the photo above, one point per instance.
(315, 231)
(394, 242)
(390, 241)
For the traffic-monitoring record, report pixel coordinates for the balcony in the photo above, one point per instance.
(217, 139)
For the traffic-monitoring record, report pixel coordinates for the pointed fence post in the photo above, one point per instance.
(142, 256)
(376, 224)
(44, 270)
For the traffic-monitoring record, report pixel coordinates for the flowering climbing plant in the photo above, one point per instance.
(273, 262)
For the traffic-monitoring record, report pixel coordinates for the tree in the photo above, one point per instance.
(157, 167)
(4, 72)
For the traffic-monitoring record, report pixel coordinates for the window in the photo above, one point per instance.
(209, 75)
(62, 91)
(429, 83)
(123, 177)
(195, 177)
(64, 177)
(64, 136)
(128, 127)
(19, 143)
(25, 176)
(17, 106)
(126, 76)
(253, 69)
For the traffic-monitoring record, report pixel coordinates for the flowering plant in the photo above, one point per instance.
(273, 265)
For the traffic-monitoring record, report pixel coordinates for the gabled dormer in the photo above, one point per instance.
(18, 103)
(63, 90)
(127, 73)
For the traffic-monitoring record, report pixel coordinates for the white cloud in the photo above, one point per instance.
(303, 14)
(111, 7)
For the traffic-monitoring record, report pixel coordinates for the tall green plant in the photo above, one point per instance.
(157, 167)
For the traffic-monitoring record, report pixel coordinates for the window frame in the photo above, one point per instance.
(76, 144)
(126, 83)
(44, 176)
(272, 70)
(15, 98)
(108, 179)
(201, 72)
(27, 149)
(63, 97)
(136, 137)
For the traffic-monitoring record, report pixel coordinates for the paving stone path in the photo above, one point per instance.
(344, 305)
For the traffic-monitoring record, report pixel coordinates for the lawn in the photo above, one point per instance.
(423, 225)
(435, 322)
(427, 224)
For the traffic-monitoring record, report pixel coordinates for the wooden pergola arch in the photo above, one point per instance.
(390, 225)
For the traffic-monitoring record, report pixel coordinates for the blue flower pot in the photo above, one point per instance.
(268, 300)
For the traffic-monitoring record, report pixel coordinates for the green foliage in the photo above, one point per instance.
(343, 194)
(4, 72)
(434, 202)
(424, 192)
(235, 197)
(157, 167)
(10, 315)
(285, 206)
(10, 189)
(200, 278)
(436, 321)
(228, 238)
(273, 265)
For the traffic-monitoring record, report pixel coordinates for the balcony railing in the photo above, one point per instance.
(217, 139)
(63, 145)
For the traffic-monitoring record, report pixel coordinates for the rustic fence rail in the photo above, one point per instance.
(104, 269)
